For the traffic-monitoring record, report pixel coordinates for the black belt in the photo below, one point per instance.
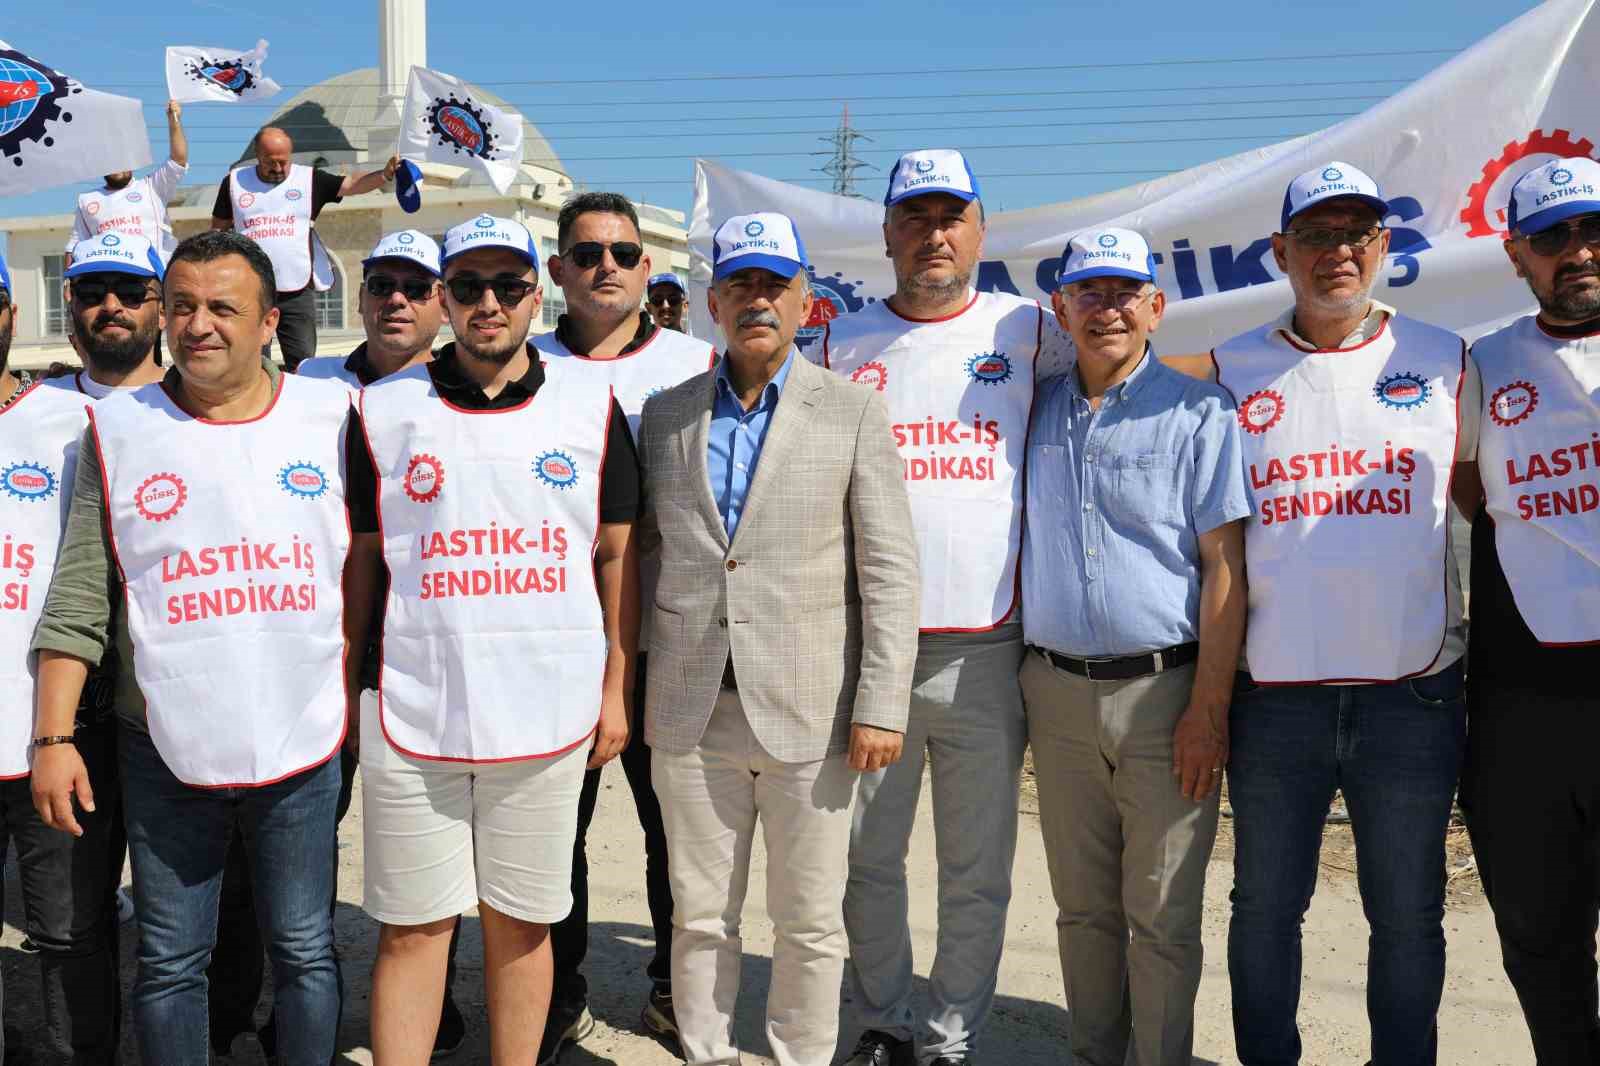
(1124, 667)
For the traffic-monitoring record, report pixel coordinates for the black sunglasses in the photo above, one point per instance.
(1558, 238)
(91, 292)
(669, 300)
(587, 254)
(509, 291)
(382, 286)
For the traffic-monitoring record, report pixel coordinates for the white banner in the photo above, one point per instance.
(1445, 151)
(445, 123)
(54, 130)
(197, 74)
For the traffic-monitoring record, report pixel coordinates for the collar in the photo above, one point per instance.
(641, 337)
(769, 394)
(359, 365)
(1587, 328)
(1125, 388)
(452, 381)
(1377, 315)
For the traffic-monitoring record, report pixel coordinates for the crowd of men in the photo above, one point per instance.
(780, 592)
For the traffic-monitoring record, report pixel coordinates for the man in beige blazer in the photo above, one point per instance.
(782, 641)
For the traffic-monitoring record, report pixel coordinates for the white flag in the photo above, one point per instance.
(54, 130)
(445, 123)
(195, 75)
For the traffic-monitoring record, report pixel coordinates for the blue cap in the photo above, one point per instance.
(931, 170)
(1554, 193)
(411, 245)
(665, 278)
(113, 252)
(5, 275)
(1106, 252)
(1335, 181)
(487, 231)
(408, 186)
(766, 239)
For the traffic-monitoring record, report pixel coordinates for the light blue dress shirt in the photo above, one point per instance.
(1117, 499)
(737, 437)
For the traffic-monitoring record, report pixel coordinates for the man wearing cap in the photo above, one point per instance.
(1529, 790)
(1352, 673)
(603, 337)
(508, 503)
(127, 205)
(956, 368)
(668, 300)
(69, 884)
(1134, 479)
(781, 643)
(401, 307)
(276, 203)
(214, 507)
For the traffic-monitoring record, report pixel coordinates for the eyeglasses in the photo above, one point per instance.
(587, 254)
(672, 300)
(1558, 238)
(382, 286)
(1088, 301)
(130, 292)
(509, 291)
(1335, 236)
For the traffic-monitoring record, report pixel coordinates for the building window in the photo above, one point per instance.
(555, 306)
(330, 303)
(56, 322)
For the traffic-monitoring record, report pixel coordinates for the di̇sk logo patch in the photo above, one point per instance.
(246, 199)
(1402, 391)
(424, 478)
(873, 373)
(1260, 411)
(93, 207)
(1513, 403)
(28, 481)
(160, 496)
(460, 126)
(556, 468)
(303, 479)
(991, 368)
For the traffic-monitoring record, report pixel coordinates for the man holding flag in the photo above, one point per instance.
(137, 206)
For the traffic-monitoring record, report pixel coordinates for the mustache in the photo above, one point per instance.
(1590, 270)
(104, 320)
(758, 318)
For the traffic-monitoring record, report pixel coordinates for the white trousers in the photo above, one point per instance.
(711, 801)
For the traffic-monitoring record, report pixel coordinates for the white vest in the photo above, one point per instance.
(1539, 457)
(959, 392)
(278, 217)
(231, 539)
(494, 647)
(1349, 455)
(328, 368)
(39, 436)
(663, 361)
(134, 208)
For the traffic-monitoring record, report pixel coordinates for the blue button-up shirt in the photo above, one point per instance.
(737, 437)
(1117, 500)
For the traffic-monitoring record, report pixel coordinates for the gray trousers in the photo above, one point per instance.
(297, 327)
(1127, 855)
(968, 726)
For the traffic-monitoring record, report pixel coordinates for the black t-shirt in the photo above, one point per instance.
(641, 336)
(324, 190)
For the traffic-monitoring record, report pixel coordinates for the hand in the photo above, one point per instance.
(1199, 751)
(174, 110)
(390, 167)
(59, 774)
(872, 748)
(611, 735)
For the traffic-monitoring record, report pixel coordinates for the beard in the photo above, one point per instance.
(1575, 306)
(117, 181)
(948, 289)
(5, 341)
(499, 352)
(116, 356)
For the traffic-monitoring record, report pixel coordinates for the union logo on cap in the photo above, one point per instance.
(403, 238)
(1332, 174)
(924, 165)
(1560, 176)
(754, 229)
(485, 222)
(1108, 240)
(110, 240)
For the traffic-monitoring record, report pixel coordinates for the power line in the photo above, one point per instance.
(844, 164)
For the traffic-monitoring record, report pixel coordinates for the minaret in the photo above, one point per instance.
(402, 44)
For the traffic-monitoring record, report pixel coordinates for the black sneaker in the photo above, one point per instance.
(566, 1024)
(877, 1048)
(452, 1030)
(659, 1017)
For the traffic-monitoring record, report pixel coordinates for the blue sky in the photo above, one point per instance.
(1050, 100)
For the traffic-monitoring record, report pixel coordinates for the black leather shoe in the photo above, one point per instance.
(877, 1048)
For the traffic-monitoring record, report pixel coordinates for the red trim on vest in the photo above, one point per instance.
(941, 318)
(276, 392)
(1334, 351)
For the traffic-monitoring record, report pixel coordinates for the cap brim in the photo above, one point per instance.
(100, 266)
(367, 262)
(959, 194)
(674, 282)
(1376, 203)
(784, 268)
(527, 256)
(1543, 220)
(1102, 272)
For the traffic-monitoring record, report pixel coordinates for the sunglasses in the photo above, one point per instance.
(382, 286)
(509, 291)
(1558, 238)
(674, 300)
(130, 292)
(1335, 236)
(587, 254)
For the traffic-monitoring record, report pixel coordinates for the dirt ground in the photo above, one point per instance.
(1479, 1022)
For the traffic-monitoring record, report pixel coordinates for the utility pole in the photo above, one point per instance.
(842, 163)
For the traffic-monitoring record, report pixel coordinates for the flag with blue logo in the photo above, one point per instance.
(448, 121)
(54, 130)
(197, 75)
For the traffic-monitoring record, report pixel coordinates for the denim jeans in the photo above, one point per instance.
(178, 840)
(1395, 751)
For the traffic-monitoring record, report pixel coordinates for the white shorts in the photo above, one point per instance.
(441, 836)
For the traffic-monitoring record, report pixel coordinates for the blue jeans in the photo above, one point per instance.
(1395, 751)
(178, 841)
